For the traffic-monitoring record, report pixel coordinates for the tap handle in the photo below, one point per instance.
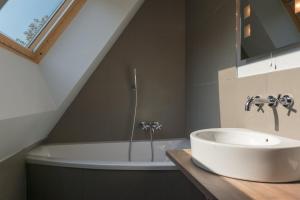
(273, 101)
(144, 126)
(279, 96)
(250, 98)
(156, 126)
(287, 101)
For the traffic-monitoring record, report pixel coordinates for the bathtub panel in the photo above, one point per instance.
(48, 183)
(54, 183)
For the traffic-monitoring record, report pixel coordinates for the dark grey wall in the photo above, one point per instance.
(154, 43)
(210, 47)
(13, 177)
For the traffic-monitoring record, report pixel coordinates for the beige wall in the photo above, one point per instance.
(215, 96)
(154, 43)
(233, 93)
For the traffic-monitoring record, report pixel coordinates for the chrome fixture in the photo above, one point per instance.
(286, 100)
(145, 126)
(259, 102)
(155, 126)
(135, 94)
(134, 81)
(152, 128)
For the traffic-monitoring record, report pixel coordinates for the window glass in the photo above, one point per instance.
(23, 20)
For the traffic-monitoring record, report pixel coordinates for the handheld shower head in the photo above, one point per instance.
(134, 84)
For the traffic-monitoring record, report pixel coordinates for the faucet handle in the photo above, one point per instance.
(145, 126)
(279, 96)
(287, 101)
(273, 101)
(156, 126)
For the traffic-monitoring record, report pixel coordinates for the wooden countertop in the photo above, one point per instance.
(223, 188)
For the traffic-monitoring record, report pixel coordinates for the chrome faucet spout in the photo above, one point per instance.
(249, 103)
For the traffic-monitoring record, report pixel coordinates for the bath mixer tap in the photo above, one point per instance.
(145, 126)
(150, 126)
(155, 126)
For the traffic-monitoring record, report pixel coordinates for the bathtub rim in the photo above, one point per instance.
(103, 165)
(110, 141)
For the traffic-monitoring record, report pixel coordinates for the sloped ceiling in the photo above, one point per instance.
(34, 97)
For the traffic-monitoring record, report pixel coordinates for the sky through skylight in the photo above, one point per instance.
(17, 15)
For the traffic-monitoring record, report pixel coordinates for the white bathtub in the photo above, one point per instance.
(108, 155)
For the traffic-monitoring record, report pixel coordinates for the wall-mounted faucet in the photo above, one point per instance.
(258, 101)
(285, 100)
(150, 126)
(145, 126)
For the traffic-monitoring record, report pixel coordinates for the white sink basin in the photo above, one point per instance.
(247, 154)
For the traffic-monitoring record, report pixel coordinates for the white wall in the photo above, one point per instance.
(88, 39)
(283, 62)
(33, 97)
(24, 94)
(23, 89)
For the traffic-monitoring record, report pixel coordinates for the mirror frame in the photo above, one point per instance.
(277, 52)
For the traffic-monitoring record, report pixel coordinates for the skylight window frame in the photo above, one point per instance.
(48, 34)
(45, 26)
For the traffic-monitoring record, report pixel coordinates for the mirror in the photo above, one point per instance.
(266, 27)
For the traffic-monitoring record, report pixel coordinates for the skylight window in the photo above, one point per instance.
(22, 22)
(26, 26)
